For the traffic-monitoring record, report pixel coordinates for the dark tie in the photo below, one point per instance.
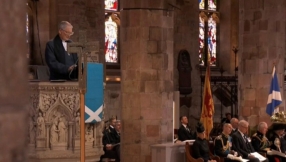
(247, 144)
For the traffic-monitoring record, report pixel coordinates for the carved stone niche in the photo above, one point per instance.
(59, 118)
(55, 137)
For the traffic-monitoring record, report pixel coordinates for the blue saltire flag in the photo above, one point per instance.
(94, 93)
(274, 97)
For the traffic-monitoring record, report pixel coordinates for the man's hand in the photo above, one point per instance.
(109, 147)
(71, 67)
(251, 156)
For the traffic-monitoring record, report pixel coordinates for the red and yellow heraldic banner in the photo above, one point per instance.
(207, 105)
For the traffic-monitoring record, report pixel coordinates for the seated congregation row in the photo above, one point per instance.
(234, 141)
(111, 140)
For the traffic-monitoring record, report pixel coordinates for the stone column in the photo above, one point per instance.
(48, 125)
(13, 82)
(262, 43)
(147, 77)
(70, 135)
(186, 29)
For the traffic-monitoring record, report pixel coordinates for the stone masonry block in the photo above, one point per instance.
(146, 61)
(157, 34)
(263, 25)
(150, 113)
(257, 15)
(151, 86)
(249, 94)
(148, 75)
(157, 61)
(130, 86)
(145, 100)
(152, 47)
(251, 65)
(245, 111)
(152, 130)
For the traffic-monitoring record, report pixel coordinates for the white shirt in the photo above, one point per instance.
(65, 45)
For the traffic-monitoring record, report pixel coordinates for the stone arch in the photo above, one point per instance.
(59, 110)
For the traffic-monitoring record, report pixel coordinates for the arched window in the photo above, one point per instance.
(111, 38)
(112, 24)
(29, 16)
(208, 21)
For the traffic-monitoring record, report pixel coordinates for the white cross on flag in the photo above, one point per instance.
(94, 93)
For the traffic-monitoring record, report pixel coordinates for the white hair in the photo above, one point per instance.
(64, 24)
(261, 125)
(243, 123)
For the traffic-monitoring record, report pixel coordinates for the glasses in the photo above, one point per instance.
(244, 126)
(68, 33)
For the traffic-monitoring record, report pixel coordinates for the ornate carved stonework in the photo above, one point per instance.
(54, 122)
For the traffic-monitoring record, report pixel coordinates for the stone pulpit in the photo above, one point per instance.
(54, 123)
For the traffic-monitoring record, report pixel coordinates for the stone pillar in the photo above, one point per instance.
(70, 135)
(147, 77)
(186, 37)
(48, 125)
(262, 43)
(13, 82)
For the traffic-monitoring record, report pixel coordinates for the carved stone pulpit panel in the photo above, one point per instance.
(54, 125)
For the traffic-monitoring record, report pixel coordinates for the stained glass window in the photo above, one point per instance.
(212, 40)
(201, 41)
(111, 5)
(201, 4)
(212, 5)
(112, 24)
(111, 39)
(208, 20)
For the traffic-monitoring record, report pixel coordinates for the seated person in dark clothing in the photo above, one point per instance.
(241, 144)
(62, 65)
(200, 148)
(226, 119)
(259, 141)
(184, 132)
(111, 140)
(234, 124)
(222, 144)
(274, 135)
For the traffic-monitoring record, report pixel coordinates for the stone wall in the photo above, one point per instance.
(13, 82)
(261, 44)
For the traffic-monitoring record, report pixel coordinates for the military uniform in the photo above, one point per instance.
(260, 142)
(222, 145)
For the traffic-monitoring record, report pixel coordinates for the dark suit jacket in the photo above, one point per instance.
(55, 59)
(238, 144)
(233, 131)
(184, 134)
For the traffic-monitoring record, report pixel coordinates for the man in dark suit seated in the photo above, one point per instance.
(234, 124)
(222, 144)
(241, 144)
(184, 132)
(111, 140)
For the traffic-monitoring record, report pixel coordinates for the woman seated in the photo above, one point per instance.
(200, 148)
